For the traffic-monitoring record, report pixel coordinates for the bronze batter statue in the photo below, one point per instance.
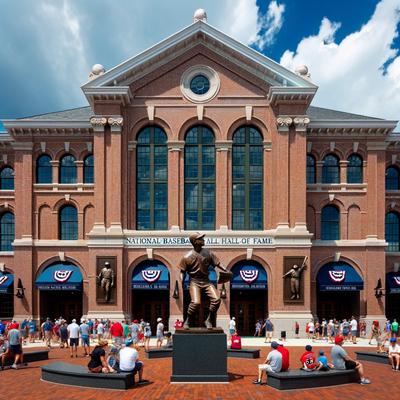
(106, 280)
(196, 263)
(295, 275)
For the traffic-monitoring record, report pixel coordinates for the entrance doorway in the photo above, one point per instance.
(248, 306)
(150, 305)
(6, 306)
(392, 306)
(340, 305)
(65, 303)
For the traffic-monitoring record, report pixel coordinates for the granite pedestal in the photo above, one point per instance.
(199, 355)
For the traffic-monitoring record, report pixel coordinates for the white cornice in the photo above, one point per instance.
(279, 94)
(45, 124)
(276, 71)
(120, 94)
(352, 123)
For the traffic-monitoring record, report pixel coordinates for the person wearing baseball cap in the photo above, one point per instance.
(273, 363)
(394, 354)
(129, 360)
(341, 360)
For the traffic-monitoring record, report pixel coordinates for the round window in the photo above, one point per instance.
(199, 84)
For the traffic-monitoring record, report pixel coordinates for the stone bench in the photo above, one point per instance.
(298, 379)
(244, 353)
(30, 356)
(380, 358)
(159, 353)
(78, 375)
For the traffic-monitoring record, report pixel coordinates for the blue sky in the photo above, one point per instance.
(47, 47)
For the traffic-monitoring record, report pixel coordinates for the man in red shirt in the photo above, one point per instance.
(285, 356)
(117, 332)
(308, 361)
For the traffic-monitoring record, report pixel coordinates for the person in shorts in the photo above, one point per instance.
(129, 360)
(4, 350)
(269, 330)
(15, 346)
(160, 332)
(273, 363)
(84, 331)
(353, 329)
(341, 360)
(395, 328)
(73, 334)
(63, 334)
(296, 329)
(307, 359)
(232, 326)
(147, 335)
(394, 354)
(322, 362)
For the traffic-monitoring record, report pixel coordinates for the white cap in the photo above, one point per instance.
(74, 320)
(159, 319)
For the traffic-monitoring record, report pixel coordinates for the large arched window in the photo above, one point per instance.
(68, 223)
(43, 169)
(392, 231)
(311, 171)
(152, 179)
(7, 231)
(247, 179)
(330, 223)
(199, 179)
(330, 169)
(392, 181)
(88, 169)
(7, 179)
(67, 169)
(355, 169)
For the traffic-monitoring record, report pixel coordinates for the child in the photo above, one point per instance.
(323, 364)
(308, 360)
(113, 360)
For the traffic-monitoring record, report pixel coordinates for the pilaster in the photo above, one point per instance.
(175, 150)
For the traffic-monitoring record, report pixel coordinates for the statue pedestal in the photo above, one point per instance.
(199, 355)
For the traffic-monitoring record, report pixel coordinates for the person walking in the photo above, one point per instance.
(84, 331)
(232, 326)
(73, 334)
(296, 329)
(269, 330)
(32, 330)
(47, 328)
(64, 335)
(395, 328)
(258, 326)
(135, 328)
(375, 332)
(353, 329)
(100, 330)
(147, 335)
(15, 342)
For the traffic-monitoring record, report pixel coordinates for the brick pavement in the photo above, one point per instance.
(26, 384)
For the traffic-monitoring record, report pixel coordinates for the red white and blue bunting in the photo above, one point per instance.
(249, 275)
(337, 276)
(62, 275)
(151, 275)
(3, 279)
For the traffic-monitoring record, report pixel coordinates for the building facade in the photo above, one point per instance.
(200, 133)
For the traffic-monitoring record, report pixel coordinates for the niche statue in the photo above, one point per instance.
(105, 280)
(295, 275)
(195, 264)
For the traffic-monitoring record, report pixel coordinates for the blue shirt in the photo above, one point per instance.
(32, 326)
(84, 328)
(2, 328)
(323, 360)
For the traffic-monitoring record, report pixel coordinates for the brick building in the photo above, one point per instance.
(200, 133)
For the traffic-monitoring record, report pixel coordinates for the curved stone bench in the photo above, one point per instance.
(298, 379)
(30, 356)
(244, 353)
(159, 353)
(372, 357)
(78, 375)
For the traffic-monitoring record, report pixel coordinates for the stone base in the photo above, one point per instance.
(284, 321)
(199, 355)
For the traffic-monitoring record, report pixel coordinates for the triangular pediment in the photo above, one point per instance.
(248, 59)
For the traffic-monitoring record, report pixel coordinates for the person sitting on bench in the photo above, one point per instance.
(341, 360)
(98, 361)
(308, 361)
(129, 360)
(394, 354)
(323, 364)
(273, 363)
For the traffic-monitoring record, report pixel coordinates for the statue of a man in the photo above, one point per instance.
(106, 280)
(295, 274)
(195, 264)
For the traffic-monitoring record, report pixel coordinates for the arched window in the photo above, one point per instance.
(199, 179)
(7, 179)
(67, 169)
(392, 181)
(88, 169)
(68, 223)
(247, 179)
(311, 171)
(330, 223)
(43, 169)
(392, 231)
(7, 231)
(330, 169)
(355, 169)
(152, 179)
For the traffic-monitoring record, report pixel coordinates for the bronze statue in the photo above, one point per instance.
(196, 263)
(295, 275)
(106, 280)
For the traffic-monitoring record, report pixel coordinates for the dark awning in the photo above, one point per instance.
(6, 281)
(339, 276)
(393, 282)
(60, 276)
(249, 275)
(150, 275)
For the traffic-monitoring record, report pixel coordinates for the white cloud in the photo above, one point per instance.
(351, 74)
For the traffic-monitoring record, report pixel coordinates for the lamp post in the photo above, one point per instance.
(379, 290)
(20, 290)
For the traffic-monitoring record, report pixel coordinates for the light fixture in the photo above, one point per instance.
(20, 290)
(175, 295)
(223, 292)
(379, 291)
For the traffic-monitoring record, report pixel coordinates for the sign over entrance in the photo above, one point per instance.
(210, 241)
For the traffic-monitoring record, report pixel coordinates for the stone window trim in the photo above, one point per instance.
(192, 72)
